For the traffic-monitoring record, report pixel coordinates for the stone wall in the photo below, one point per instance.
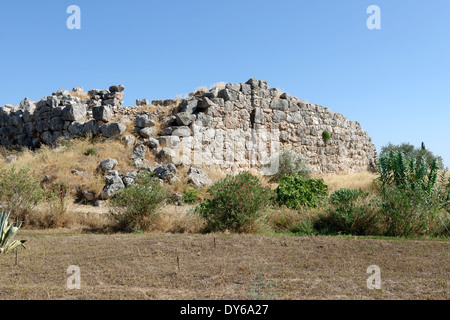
(237, 126)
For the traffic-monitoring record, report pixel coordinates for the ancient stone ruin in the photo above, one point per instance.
(235, 126)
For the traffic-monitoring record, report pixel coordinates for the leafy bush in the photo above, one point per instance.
(326, 136)
(291, 162)
(190, 196)
(350, 211)
(136, 207)
(235, 203)
(19, 192)
(91, 151)
(407, 211)
(411, 194)
(411, 152)
(295, 191)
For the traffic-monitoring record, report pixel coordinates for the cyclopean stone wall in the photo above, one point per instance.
(235, 126)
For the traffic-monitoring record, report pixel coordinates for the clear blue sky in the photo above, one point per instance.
(394, 81)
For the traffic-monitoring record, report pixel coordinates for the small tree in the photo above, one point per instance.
(291, 162)
(409, 151)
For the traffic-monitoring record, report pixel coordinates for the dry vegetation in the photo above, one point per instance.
(213, 266)
(359, 180)
(58, 163)
(145, 266)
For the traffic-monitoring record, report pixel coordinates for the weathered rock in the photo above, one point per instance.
(182, 132)
(78, 89)
(198, 177)
(147, 132)
(117, 88)
(88, 195)
(144, 121)
(279, 104)
(167, 155)
(185, 118)
(129, 141)
(74, 112)
(113, 185)
(189, 106)
(258, 116)
(102, 113)
(108, 164)
(141, 102)
(153, 143)
(115, 129)
(169, 141)
(139, 151)
(166, 173)
(129, 178)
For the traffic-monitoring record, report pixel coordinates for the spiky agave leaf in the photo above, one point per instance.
(8, 233)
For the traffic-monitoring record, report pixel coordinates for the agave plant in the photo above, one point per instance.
(7, 234)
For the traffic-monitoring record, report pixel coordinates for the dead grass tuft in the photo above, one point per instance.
(361, 180)
(81, 95)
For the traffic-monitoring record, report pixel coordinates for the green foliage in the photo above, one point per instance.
(190, 196)
(235, 203)
(407, 211)
(291, 162)
(19, 192)
(136, 207)
(326, 136)
(304, 227)
(8, 233)
(295, 191)
(411, 152)
(350, 211)
(91, 151)
(260, 289)
(411, 194)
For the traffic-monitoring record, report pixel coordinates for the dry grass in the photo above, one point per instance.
(58, 163)
(221, 266)
(175, 219)
(81, 95)
(361, 180)
(219, 85)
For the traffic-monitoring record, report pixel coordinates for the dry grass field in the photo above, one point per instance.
(222, 266)
(213, 266)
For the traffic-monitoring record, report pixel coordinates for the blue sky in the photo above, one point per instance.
(394, 81)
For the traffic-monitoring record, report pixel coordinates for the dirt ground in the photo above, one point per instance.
(221, 266)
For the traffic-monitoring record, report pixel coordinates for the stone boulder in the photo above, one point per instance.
(198, 177)
(114, 184)
(107, 164)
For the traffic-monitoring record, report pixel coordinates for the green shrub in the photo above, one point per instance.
(190, 196)
(326, 136)
(407, 211)
(91, 151)
(234, 203)
(410, 152)
(291, 162)
(350, 211)
(303, 227)
(411, 194)
(295, 191)
(19, 192)
(136, 207)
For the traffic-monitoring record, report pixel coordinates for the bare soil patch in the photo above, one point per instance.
(144, 266)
